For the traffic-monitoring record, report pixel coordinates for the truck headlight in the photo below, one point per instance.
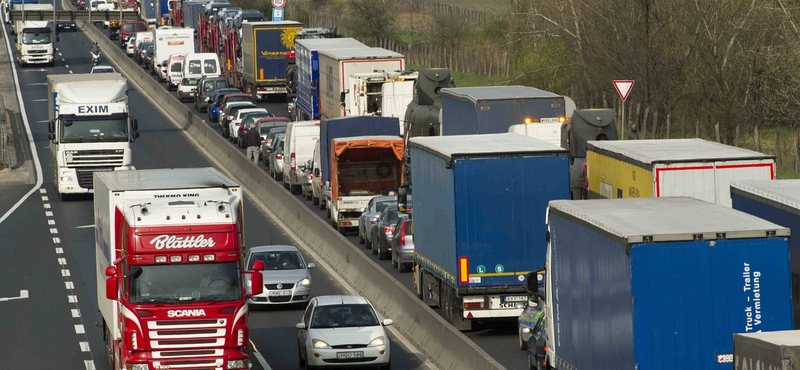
(138, 367)
(238, 364)
(66, 178)
(377, 342)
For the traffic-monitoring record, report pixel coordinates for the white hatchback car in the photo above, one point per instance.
(342, 330)
(187, 87)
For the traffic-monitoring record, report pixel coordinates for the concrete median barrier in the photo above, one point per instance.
(431, 334)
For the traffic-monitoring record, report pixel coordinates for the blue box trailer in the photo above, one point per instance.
(494, 109)
(264, 47)
(660, 283)
(335, 128)
(191, 14)
(307, 60)
(776, 201)
(479, 226)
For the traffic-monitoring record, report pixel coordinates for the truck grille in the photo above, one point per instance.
(37, 51)
(83, 158)
(191, 359)
(85, 176)
(184, 334)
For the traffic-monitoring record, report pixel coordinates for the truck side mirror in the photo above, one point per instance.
(256, 283)
(342, 96)
(135, 135)
(135, 124)
(316, 172)
(111, 283)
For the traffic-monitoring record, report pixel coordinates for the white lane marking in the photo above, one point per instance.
(72, 298)
(84, 346)
(79, 329)
(65, 272)
(89, 226)
(38, 84)
(46, 205)
(22, 294)
(76, 312)
(43, 191)
(45, 198)
(59, 53)
(43, 121)
(39, 100)
(88, 363)
(92, 363)
(69, 285)
(67, 65)
(48, 213)
(59, 250)
(51, 222)
(62, 261)
(260, 358)
(53, 230)
(56, 240)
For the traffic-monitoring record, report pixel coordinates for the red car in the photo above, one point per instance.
(127, 29)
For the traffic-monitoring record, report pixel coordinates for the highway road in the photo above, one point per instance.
(499, 339)
(47, 247)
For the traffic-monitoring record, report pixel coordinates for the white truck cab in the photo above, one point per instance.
(35, 42)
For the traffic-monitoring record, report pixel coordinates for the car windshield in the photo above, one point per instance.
(343, 316)
(380, 206)
(89, 129)
(103, 70)
(237, 98)
(278, 260)
(34, 38)
(221, 84)
(183, 283)
(392, 216)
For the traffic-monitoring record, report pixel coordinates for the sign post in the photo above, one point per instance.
(623, 89)
(277, 10)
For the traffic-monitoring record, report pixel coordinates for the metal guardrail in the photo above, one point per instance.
(74, 15)
(5, 151)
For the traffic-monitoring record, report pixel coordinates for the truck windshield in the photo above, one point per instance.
(35, 38)
(184, 283)
(87, 129)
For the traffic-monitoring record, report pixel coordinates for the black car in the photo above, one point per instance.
(67, 26)
(205, 91)
(536, 346)
(383, 231)
(139, 52)
(147, 60)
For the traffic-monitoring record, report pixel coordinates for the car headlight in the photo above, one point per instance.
(320, 344)
(377, 342)
(304, 282)
(238, 364)
(138, 367)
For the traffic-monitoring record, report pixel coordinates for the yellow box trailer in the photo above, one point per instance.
(673, 167)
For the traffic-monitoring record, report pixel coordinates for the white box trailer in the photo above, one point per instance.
(672, 167)
(172, 40)
(336, 88)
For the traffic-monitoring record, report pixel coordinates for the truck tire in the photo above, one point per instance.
(342, 230)
(314, 200)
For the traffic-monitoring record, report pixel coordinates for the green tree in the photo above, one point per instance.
(370, 19)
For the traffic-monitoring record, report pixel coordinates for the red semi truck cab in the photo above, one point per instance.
(172, 287)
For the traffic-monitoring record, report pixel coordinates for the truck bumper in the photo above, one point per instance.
(493, 314)
(68, 182)
(216, 358)
(270, 90)
(37, 59)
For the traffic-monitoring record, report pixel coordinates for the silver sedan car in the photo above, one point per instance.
(286, 276)
(370, 215)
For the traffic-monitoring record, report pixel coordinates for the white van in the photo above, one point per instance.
(174, 71)
(201, 65)
(301, 137)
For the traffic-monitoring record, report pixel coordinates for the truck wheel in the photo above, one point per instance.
(342, 230)
(403, 267)
(314, 200)
(65, 197)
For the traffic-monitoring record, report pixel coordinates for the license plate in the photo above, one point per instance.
(514, 298)
(348, 355)
(280, 293)
(549, 120)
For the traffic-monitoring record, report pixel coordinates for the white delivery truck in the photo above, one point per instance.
(301, 137)
(35, 42)
(90, 129)
(169, 41)
(336, 97)
(382, 93)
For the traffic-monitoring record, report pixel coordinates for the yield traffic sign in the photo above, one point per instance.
(623, 88)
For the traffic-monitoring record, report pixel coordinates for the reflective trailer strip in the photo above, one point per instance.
(463, 272)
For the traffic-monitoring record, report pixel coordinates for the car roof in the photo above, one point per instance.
(334, 300)
(273, 248)
(272, 119)
(383, 197)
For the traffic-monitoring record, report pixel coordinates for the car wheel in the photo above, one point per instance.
(394, 262)
(523, 345)
(367, 243)
(360, 237)
(403, 267)
(374, 247)
(382, 254)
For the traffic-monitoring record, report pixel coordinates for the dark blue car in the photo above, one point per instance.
(213, 108)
